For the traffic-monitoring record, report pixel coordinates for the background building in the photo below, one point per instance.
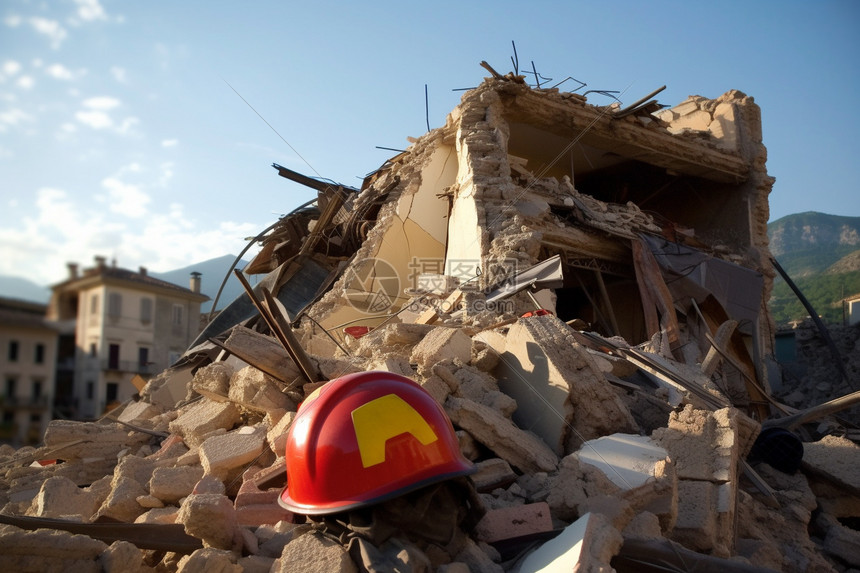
(126, 323)
(28, 362)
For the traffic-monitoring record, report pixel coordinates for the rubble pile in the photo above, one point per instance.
(598, 339)
(813, 377)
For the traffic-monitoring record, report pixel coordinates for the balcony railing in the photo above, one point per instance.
(24, 402)
(128, 366)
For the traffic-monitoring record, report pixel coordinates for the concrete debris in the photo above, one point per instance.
(600, 344)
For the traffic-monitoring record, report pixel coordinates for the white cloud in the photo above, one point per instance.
(13, 117)
(169, 142)
(127, 126)
(25, 82)
(101, 103)
(13, 20)
(50, 28)
(64, 231)
(166, 173)
(125, 198)
(94, 119)
(66, 131)
(90, 10)
(119, 74)
(59, 72)
(11, 67)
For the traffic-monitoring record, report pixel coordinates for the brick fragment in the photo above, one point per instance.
(512, 522)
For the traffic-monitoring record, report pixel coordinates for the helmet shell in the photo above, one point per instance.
(365, 438)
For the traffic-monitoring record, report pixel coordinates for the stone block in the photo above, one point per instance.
(493, 473)
(136, 412)
(213, 381)
(314, 553)
(696, 524)
(512, 522)
(121, 504)
(277, 434)
(440, 344)
(60, 497)
(170, 484)
(123, 557)
(254, 515)
(437, 388)
(223, 453)
(209, 484)
(160, 515)
(209, 560)
(521, 449)
(203, 418)
(210, 518)
(256, 390)
(704, 445)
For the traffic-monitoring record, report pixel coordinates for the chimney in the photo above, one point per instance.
(100, 262)
(195, 282)
(142, 271)
(73, 270)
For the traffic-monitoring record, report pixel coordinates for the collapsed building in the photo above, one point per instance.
(581, 288)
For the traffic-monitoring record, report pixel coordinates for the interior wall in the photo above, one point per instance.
(415, 238)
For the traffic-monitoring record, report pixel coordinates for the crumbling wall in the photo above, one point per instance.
(609, 442)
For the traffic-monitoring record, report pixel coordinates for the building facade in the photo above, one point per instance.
(28, 362)
(127, 324)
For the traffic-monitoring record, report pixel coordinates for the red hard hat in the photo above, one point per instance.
(365, 438)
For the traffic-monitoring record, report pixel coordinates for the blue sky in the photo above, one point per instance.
(120, 136)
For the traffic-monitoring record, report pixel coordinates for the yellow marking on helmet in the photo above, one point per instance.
(382, 419)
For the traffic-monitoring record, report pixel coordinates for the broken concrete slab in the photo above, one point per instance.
(628, 460)
(513, 522)
(521, 449)
(227, 452)
(587, 544)
(171, 484)
(554, 379)
(71, 440)
(202, 418)
(837, 458)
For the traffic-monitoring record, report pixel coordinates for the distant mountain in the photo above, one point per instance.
(23, 289)
(212, 274)
(808, 243)
(821, 254)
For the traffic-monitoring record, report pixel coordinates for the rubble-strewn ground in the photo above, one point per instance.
(813, 378)
(610, 429)
(212, 465)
